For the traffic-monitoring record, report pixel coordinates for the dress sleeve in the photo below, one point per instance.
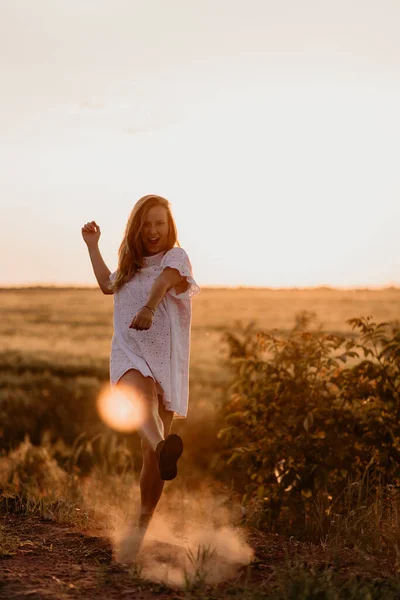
(176, 258)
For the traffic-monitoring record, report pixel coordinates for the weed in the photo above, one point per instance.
(199, 563)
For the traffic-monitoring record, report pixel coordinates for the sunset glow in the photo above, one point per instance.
(120, 409)
(271, 127)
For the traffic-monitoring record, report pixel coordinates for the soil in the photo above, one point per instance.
(56, 562)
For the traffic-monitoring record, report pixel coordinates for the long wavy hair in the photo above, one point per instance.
(130, 253)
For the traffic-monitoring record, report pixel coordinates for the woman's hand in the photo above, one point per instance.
(91, 234)
(142, 320)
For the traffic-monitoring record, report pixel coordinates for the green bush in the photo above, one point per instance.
(310, 412)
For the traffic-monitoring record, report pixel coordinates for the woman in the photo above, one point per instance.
(152, 288)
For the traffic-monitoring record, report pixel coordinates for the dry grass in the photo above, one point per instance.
(70, 326)
(79, 321)
(74, 327)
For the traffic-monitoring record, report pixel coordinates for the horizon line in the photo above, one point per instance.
(56, 286)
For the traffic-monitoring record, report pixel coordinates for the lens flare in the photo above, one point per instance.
(121, 409)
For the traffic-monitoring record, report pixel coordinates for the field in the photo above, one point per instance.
(74, 324)
(54, 349)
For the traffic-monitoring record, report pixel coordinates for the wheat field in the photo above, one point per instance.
(76, 324)
(78, 321)
(54, 351)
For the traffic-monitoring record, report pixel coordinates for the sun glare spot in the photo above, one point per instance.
(121, 409)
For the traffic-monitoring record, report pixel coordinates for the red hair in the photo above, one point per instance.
(130, 253)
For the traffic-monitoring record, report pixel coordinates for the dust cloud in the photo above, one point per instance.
(192, 538)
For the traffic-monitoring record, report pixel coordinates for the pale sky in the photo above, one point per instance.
(273, 127)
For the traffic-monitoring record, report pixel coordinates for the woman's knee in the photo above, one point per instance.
(143, 389)
(143, 385)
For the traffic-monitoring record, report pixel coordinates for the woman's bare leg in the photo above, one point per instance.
(144, 388)
(155, 428)
(151, 484)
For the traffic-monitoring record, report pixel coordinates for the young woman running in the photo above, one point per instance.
(153, 287)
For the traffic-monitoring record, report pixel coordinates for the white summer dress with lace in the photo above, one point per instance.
(161, 352)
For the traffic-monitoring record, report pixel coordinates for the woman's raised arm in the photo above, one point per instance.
(91, 235)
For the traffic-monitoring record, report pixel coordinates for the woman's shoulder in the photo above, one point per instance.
(175, 253)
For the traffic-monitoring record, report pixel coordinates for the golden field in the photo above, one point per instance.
(73, 326)
(78, 322)
(54, 352)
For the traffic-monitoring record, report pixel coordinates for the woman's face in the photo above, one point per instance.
(155, 230)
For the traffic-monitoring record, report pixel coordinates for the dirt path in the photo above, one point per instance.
(54, 562)
(42, 560)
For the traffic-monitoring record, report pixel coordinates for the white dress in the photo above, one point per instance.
(161, 352)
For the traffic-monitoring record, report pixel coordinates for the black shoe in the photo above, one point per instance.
(168, 451)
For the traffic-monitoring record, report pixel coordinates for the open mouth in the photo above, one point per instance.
(153, 241)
